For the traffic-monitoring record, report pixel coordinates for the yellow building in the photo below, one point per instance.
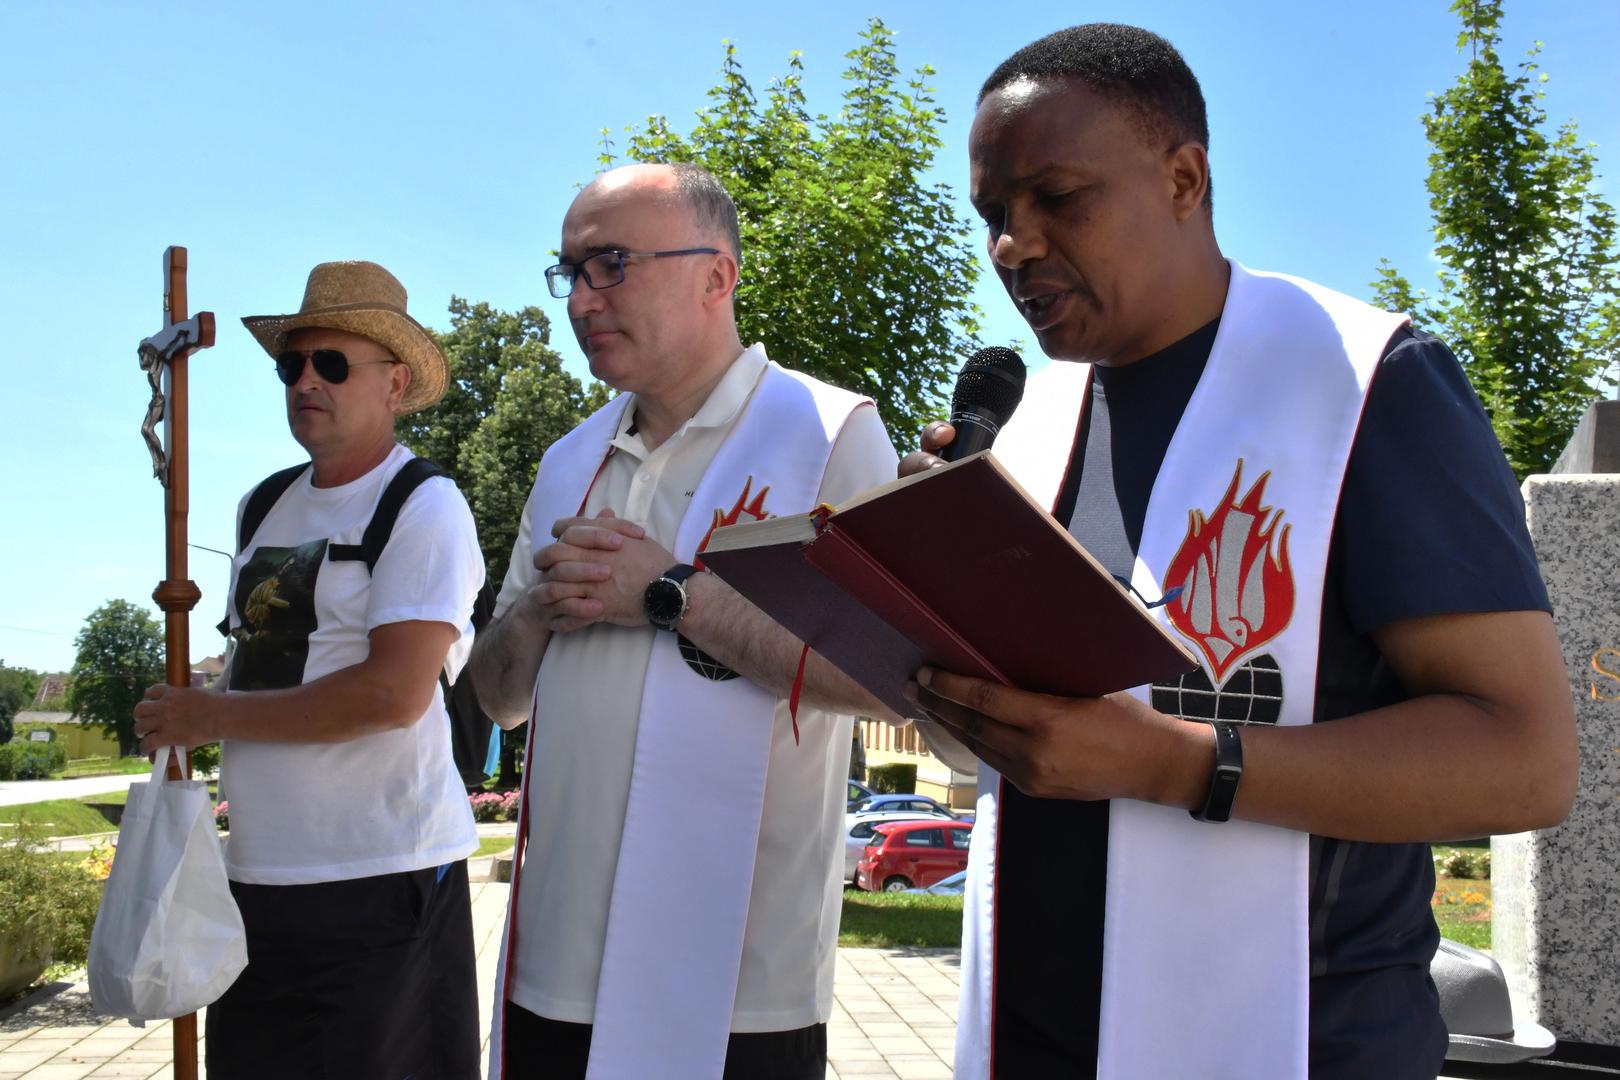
(886, 744)
(81, 740)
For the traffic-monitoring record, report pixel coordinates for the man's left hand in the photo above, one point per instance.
(1072, 748)
(632, 561)
(178, 716)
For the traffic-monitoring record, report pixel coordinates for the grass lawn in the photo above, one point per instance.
(884, 920)
(1462, 906)
(103, 766)
(491, 845)
(56, 817)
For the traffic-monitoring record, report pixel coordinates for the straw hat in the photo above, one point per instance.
(364, 299)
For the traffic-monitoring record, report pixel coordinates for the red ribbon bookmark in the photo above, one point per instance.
(793, 698)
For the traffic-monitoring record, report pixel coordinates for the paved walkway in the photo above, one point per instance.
(16, 792)
(894, 1017)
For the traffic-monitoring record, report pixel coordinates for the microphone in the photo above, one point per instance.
(987, 391)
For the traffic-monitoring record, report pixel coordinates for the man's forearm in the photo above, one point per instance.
(735, 632)
(1438, 767)
(505, 659)
(344, 705)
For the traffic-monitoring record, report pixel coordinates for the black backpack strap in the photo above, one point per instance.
(259, 503)
(370, 548)
(270, 489)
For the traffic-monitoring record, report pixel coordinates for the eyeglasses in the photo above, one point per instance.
(605, 269)
(330, 364)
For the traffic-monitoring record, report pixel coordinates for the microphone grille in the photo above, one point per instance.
(992, 380)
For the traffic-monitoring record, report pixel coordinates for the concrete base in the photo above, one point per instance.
(1556, 915)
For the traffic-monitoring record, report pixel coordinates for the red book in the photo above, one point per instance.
(956, 568)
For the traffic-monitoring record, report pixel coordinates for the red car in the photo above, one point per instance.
(903, 854)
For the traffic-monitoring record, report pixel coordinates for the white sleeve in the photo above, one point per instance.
(862, 458)
(521, 576)
(432, 568)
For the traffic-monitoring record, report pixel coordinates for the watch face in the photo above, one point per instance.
(665, 603)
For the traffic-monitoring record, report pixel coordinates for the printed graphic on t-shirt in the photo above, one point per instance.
(275, 596)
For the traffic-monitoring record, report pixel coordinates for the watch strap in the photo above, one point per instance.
(1228, 772)
(679, 572)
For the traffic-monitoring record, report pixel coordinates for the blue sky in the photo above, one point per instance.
(447, 145)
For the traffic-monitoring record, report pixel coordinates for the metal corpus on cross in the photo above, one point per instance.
(163, 358)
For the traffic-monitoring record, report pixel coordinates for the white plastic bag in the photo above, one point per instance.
(168, 938)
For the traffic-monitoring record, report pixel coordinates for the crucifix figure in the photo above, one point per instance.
(178, 339)
(165, 353)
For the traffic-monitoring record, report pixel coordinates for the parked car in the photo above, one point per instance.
(904, 854)
(858, 829)
(858, 792)
(919, 804)
(954, 885)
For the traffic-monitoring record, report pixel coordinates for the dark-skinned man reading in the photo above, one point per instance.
(1313, 490)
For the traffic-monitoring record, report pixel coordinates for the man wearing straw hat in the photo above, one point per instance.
(350, 828)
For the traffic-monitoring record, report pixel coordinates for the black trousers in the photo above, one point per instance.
(541, 1049)
(368, 979)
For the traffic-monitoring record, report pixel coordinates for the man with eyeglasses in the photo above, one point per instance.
(350, 828)
(676, 900)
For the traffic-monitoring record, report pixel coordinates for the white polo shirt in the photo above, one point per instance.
(590, 689)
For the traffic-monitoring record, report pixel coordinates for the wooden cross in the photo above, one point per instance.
(163, 358)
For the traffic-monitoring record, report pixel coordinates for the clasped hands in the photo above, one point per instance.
(596, 570)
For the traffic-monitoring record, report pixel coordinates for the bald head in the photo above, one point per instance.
(684, 187)
(659, 317)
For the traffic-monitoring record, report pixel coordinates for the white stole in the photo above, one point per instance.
(668, 983)
(1206, 968)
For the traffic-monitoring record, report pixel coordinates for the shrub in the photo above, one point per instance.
(1465, 864)
(205, 759)
(896, 778)
(31, 760)
(486, 806)
(98, 864)
(222, 815)
(494, 806)
(55, 899)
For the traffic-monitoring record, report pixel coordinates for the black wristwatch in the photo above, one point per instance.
(665, 599)
(1223, 782)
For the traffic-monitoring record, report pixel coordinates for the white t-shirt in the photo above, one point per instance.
(590, 689)
(382, 803)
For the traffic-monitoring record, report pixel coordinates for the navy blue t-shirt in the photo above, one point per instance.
(1430, 522)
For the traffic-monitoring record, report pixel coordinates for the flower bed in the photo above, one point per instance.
(494, 806)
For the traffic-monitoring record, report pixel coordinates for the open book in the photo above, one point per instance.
(956, 568)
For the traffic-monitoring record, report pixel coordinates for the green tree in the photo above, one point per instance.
(855, 268)
(508, 400)
(120, 655)
(1529, 289)
(17, 688)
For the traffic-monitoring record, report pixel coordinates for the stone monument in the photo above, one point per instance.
(1556, 923)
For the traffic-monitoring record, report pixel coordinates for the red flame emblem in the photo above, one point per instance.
(755, 510)
(1237, 589)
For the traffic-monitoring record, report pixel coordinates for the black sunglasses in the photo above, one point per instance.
(330, 364)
